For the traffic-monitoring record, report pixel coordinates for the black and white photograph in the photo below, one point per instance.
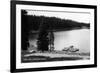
(54, 35)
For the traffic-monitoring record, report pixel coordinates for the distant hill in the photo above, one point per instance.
(54, 23)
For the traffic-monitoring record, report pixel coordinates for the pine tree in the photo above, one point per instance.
(24, 30)
(43, 41)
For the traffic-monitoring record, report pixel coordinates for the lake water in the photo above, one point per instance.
(79, 38)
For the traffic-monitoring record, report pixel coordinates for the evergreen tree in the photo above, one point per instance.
(43, 41)
(24, 30)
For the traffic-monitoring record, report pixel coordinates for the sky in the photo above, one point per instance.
(76, 16)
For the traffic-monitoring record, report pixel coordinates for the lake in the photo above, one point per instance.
(79, 38)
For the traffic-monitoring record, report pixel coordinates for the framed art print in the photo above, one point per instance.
(52, 36)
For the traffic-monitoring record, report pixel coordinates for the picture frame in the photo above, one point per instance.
(39, 12)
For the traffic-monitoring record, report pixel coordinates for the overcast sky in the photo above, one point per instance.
(76, 16)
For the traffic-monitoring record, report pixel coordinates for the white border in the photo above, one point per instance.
(20, 65)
